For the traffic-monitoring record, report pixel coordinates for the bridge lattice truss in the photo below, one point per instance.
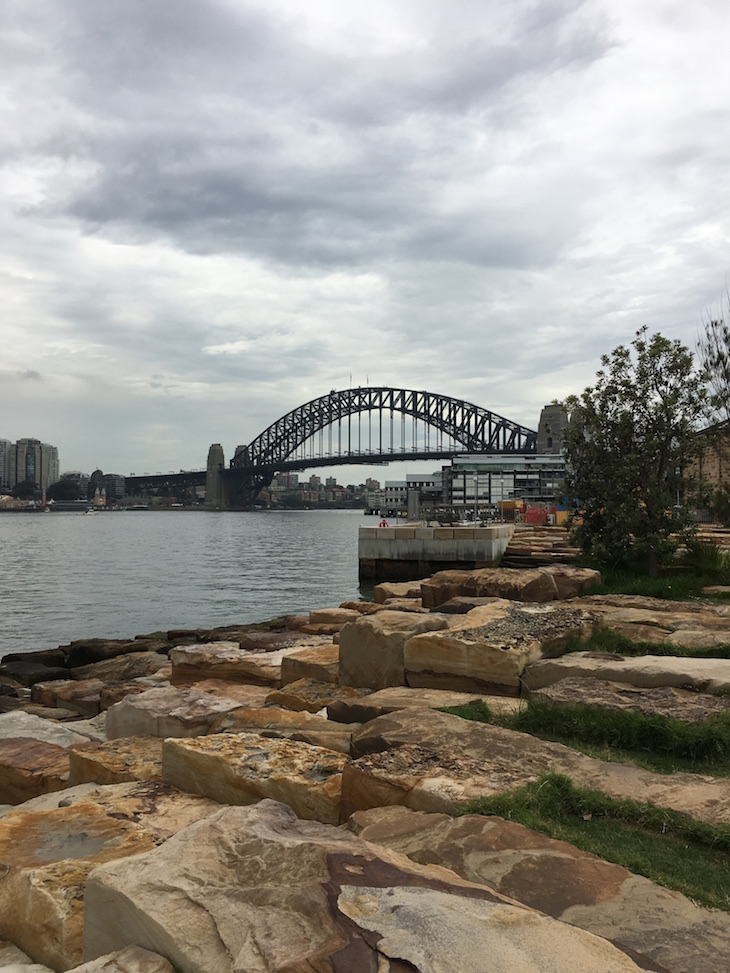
(468, 428)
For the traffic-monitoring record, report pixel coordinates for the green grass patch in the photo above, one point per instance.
(707, 742)
(668, 848)
(658, 743)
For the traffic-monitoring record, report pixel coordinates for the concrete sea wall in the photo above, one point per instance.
(408, 553)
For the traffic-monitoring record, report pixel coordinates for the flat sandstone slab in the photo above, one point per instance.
(431, 761)
(167, 712)
(245, 768)
(304, 694)
(116, 761)
(48, 856)
(618, 697)
(31, 767)
(256, 889)
(401, 697)
(648, 671)
(560, 880)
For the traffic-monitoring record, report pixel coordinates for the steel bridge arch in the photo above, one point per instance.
(477, 429)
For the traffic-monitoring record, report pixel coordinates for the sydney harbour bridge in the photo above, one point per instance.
(354, 426)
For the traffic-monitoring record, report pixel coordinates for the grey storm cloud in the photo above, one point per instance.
(214, 210)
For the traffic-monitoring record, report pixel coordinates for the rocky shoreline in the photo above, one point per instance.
(281, 797)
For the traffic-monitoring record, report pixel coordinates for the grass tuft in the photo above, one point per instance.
(668, 848)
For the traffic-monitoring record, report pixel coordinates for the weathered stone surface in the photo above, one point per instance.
(131, 959)
(312, 696)
(559, 880)
(461, 604)
(273, 721)
(616, 697)
(30, 767)
(245, 768)
(534, 585)
(431, 761)
(400, 697)
(267, 892)
(397, 589)
(687, 624)
(80, 696)
(701, 675)
(28, 673)
(14, 960)
(94, 729)
(83, 652)
(116, 693)
(158, 808)
(488, 649)
(21, 724)
(319, 664)
(223, 660)
(243, 693)
(170, 712)
(123, 668)
(333, 616)
(371, 649)
(46, 857)
(129, 758)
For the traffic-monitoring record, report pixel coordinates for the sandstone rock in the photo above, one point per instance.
(269, 893)
(158, 808)
(516, 584)
(222, 660)
(244, 694)
(168, 712)
(648, 671)
(460, 605)
(131, 959)
(321, 629)
(510, 583)
(131, 758)
(123, 668)
(559, 880)
(366, 708)
(20, 724)
(396, 589)
(273, 721)
(333, 616)
(94, 729)
(30, 767)
(110, 695)
(245, 768)
(28, 673)
(361, 607)
(85, 651)
(80, 696)
(14, 960)
(319, 663)
(638, 632)
(46, 858)
(305, 694)
(431, 761)
(371, 649)
(488, 649)
(616, 697)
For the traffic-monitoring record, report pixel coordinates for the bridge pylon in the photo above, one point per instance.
(215, 486)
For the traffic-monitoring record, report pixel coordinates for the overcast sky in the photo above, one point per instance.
(216, 210)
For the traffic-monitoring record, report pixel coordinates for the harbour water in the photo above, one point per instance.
(66, 576)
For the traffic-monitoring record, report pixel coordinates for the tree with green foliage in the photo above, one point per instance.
(713, 351)
(65, 489)
(630, 438)
(26, 490)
